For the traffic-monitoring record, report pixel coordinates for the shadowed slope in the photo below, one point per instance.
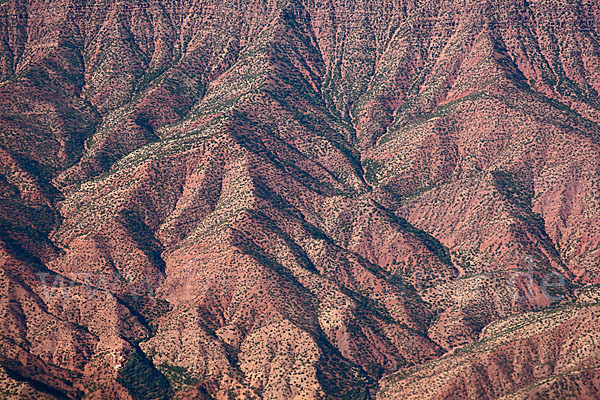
(288, 199)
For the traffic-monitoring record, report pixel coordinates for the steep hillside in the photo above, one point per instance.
(296, 198)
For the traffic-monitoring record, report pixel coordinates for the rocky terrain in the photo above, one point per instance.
(299, 199)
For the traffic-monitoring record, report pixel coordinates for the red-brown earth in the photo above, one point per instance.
(299, 199)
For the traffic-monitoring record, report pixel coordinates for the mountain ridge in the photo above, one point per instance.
(289, 199)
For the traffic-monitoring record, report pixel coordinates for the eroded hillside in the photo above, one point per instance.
(294, 199)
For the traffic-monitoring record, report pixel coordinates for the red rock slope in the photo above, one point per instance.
(293, 199)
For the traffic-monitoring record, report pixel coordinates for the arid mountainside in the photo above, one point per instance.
(537, 355)
(299, 199)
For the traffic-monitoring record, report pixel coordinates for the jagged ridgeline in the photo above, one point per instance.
(299, 199)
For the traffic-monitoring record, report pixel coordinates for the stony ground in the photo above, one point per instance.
(299, 199)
